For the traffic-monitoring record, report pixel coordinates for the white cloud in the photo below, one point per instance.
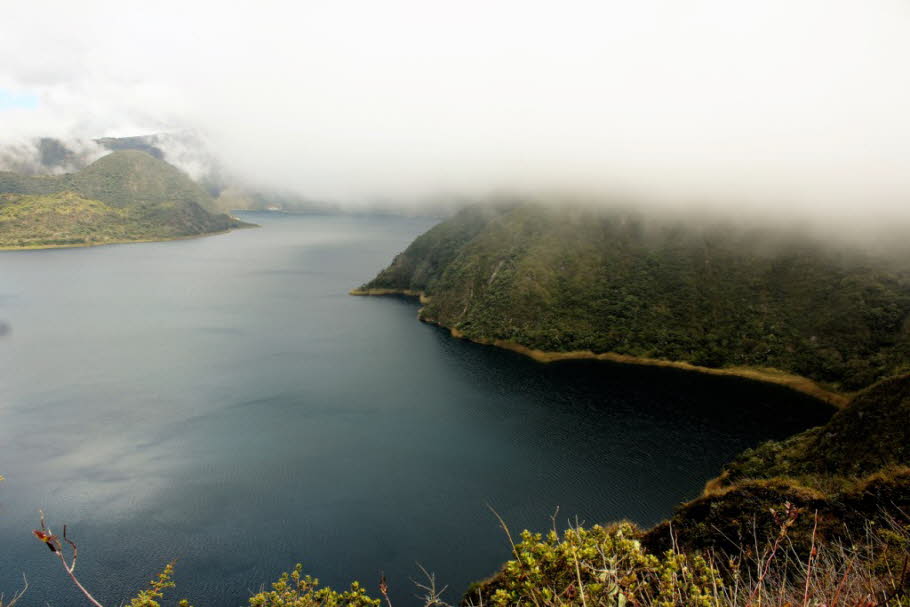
(798, 104)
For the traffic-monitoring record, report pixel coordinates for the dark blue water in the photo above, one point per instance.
(223, 401)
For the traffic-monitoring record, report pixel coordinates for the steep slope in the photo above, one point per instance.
(870, 435)
(131, 177)
(124, 196)
(619, 281)
(850, 471)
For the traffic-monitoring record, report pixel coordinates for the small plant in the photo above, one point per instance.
(297, 590)
(601, 566)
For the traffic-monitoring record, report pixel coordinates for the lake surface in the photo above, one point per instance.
(223, 401)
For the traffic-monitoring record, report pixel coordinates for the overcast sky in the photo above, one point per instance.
(793, 104)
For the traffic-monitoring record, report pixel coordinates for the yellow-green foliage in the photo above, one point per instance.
(59, 219)
(597, 566)
(291, 590)
(150, 596)
(609, 567)
(68, 219)
(17, 206)
(297, 590)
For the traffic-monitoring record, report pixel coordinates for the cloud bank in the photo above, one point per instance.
(798, 105)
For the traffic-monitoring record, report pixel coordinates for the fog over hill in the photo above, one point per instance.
(54, 156)
(190, 151)
(770, 108)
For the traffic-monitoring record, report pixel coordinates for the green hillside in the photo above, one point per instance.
(124, 196)
(715, 295)
(870, 435)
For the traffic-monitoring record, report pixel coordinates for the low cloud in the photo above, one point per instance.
(796, 107)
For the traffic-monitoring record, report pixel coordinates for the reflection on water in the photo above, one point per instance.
(224, 402)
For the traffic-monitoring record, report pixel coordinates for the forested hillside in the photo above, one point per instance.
(709, 293)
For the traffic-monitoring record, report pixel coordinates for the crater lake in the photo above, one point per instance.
(224, 402)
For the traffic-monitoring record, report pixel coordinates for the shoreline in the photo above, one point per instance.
(86, 245)
(798, 383)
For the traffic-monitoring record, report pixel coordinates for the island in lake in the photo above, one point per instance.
(126, 196)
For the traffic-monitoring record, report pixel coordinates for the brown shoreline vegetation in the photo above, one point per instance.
(798, 383)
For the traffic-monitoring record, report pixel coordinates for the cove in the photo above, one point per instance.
(223, 401)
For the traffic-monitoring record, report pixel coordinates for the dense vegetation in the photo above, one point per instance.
(715, 295)
(124, 196)
(610, 567)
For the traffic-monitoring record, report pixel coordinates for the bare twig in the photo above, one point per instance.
(812, 555)
(515, 552)
(53, 542)
(432, 597)
(17, 595)
(505, 528)
(384, 588)
(581, 586)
